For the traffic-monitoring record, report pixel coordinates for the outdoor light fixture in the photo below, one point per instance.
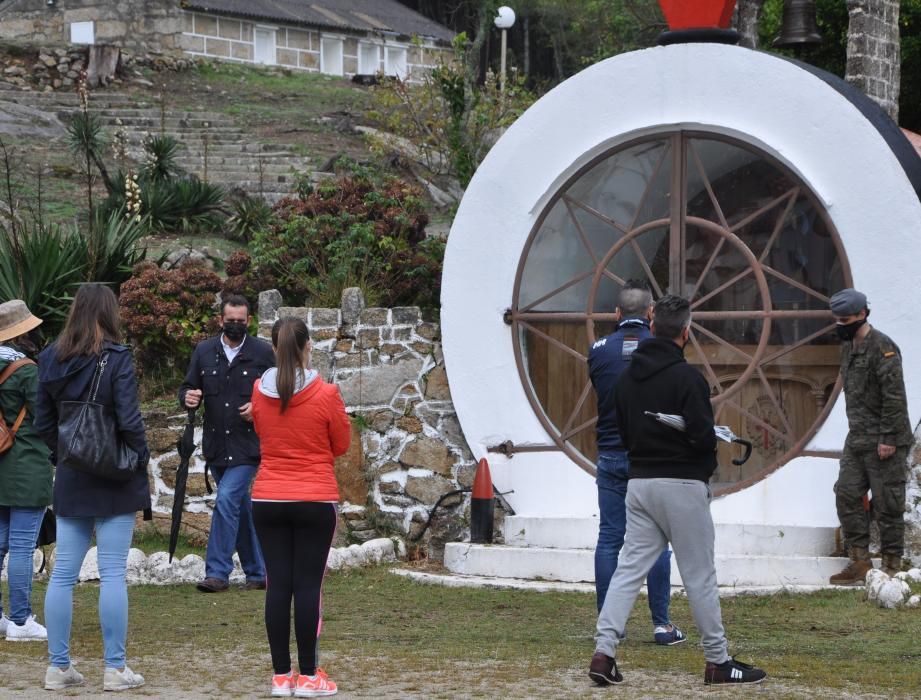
(505, 19)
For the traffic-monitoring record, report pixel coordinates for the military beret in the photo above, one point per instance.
(847, 302)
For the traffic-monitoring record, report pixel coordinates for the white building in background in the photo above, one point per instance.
(753, 185)
(335, 37)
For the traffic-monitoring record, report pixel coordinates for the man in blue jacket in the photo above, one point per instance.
(668, 496)
(607, 359)
(222, 373)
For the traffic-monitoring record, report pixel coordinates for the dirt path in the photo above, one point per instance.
(232, 677)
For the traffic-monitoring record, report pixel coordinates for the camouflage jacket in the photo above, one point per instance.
(874, 391)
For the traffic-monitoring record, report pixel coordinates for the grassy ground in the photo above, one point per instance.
(387, 637)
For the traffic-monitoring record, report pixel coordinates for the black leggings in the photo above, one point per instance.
(295, 537)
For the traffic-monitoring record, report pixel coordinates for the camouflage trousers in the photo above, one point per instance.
(863, 470)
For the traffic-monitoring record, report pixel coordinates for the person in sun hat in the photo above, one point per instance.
(25, 471)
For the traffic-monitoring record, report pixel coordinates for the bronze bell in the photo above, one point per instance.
(799, 27)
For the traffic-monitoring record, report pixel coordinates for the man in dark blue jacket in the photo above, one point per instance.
(607, 359)
(668, 496)
(222, 373)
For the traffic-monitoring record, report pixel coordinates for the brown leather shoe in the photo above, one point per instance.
(603, 670)
(855, 573)
(212, 585)
(257, 585)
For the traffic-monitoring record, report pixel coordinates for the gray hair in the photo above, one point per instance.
(635, 299)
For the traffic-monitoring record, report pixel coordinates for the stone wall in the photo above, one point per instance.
(229, 38)
(874, 52)
(153, 25)
(407, 448)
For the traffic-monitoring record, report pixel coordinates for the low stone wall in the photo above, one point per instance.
(49, 69)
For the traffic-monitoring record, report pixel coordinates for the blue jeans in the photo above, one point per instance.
(18, 533)
(612, 496)
(113, 539)
(232, 526)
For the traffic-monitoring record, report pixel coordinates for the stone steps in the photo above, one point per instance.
(573, 565)
(562, 549)
(731, 539)
(235, 157)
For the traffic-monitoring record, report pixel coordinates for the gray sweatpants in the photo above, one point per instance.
(660, 511)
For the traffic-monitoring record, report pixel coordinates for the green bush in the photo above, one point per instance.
(43, 264)
(179, 204)
(361, 230)
(166, 313)
(249, 215)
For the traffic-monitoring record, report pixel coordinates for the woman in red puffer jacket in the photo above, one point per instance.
(302, 427)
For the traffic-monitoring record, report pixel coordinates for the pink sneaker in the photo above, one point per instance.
(283, 684)
(317, 686)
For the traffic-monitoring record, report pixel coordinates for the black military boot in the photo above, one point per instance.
(855, 573)
(892, 564)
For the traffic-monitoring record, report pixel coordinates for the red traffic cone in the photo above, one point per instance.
(482, 505)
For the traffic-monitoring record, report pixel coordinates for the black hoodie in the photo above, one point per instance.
(661, 381)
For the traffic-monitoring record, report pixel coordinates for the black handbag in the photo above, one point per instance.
(48, 530)
(88, 436)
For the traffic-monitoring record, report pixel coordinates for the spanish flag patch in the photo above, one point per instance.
(889, 354)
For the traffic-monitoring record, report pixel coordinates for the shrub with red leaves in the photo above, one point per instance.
(356, 231)
(166, 313)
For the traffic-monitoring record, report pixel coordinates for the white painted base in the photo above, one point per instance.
(573, 565)
(731, 539)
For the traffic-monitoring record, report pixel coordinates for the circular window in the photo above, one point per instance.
(714, 220)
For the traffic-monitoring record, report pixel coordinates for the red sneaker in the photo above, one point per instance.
(317, 686)
(283, 684)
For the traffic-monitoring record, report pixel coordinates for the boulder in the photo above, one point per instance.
(89, 570)
(427, 489)
(378, 386)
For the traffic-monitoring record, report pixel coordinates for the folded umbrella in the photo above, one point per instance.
(186, 447)
(723, 432)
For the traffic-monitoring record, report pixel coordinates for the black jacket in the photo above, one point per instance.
(228, 439)
(83, 495)
(660, 380)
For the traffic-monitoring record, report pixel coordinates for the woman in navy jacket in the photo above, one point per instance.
(85, 504)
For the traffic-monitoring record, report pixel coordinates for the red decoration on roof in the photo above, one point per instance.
(697, 14)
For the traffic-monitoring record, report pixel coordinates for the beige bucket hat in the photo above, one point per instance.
(16, 319)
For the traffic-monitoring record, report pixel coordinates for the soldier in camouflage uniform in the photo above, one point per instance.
(878, 439)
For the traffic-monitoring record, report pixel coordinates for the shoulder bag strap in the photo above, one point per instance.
(6, 374)
(12, 367)
(97, 375)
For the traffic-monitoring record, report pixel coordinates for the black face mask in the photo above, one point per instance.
(234, 330)
(847, 331)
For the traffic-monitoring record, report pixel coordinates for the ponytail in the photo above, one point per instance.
(289, 336)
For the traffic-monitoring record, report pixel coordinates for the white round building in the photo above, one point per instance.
(753, 185)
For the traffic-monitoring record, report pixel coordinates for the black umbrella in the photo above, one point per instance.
(186, 446)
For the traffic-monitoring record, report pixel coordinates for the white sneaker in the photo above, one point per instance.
(121, 680)
(29, 631)
(4, 623)
(62, 678)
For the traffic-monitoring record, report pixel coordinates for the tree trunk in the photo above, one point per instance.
(527, 45)
(745, 20)
(103, 64)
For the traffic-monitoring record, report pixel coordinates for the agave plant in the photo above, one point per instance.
(250, 215)
(160, 159)
(112, 247)
(42, 265)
